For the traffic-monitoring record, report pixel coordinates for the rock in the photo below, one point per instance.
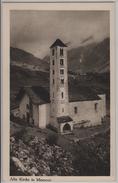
(33, 171)
(39, 158)
(18, 164)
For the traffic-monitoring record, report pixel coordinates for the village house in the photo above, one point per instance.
(63, 104)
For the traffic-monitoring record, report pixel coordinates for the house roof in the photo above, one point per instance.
(64, 119)
(40, 95)
(58, 42)
(37, 94)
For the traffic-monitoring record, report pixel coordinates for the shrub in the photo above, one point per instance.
(92, 157)
(52, 138)
(20, 134)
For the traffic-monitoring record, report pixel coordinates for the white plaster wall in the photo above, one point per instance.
(86, 111)
(44, 115)
(103, 105)
(22, 106)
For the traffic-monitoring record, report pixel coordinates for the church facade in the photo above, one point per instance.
(63, 105)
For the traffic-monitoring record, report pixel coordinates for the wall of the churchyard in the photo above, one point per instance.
(87, 114)
(23, 106)
(35, 114)
(103, 104)
(44, 115)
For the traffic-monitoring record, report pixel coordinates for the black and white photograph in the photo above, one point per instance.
(60, 97)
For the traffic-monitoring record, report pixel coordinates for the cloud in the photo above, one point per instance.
(35, 31)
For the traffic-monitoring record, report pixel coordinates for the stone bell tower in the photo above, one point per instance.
(58, 80)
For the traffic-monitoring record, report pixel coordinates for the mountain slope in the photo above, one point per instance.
(89, 58)
(22, 58)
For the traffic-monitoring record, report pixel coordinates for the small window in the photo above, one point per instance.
(62, 81)
(27, 106)
(52, 52)
(61, 61)
(53, 81)
(61, 71)
(61, 52)
(62, 95)
(96, 106)
(53, 95)
(62, 109)
(53, 71)
(53, 62)
(75, 110)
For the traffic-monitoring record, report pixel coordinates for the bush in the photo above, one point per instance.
(92, 157)
(52, 138)
(20, 134)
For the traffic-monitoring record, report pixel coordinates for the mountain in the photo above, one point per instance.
(90, 58)
(25, 59)
(94, 57)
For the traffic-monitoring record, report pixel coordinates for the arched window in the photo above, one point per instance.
(52, 52)
(62, 95)
(62, 81)
(61, 61)
(53, 81)
(52, 62)
(53, 95)
(61, 52)
(61, 71)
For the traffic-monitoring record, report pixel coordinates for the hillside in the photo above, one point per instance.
(39, 152)
(25, 59)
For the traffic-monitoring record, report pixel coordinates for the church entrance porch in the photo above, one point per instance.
(66, 127)
(65, 124)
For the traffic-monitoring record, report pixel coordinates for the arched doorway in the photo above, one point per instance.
(66, 127)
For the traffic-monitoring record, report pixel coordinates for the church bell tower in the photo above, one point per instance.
(58, 81)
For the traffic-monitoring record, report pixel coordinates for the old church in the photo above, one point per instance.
(62, 105)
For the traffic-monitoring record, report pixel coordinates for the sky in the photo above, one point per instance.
(35, 31)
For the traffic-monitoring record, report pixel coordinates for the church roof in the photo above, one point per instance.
(58, 42)
(40, 95)
(64, 119)
(81, 93)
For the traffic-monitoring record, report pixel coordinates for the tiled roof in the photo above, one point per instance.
(81, 93)
(77, 92)
(64, 119)
(58, 42)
